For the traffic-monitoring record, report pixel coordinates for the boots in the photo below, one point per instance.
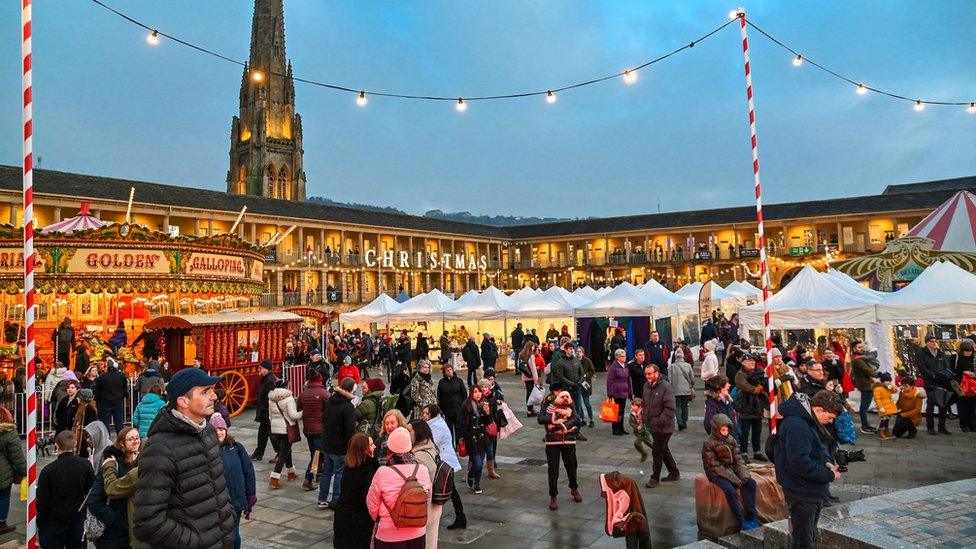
(6, 528)
(553, 504)
(885, 434)
(491, 470)
(275, 484)
(460, 523)
(292, 475)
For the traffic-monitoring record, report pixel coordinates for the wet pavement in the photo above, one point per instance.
(514, 510)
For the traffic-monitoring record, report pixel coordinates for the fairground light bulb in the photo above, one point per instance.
(460, 106)
(257, 75)
(798, 60)
(361, 100)
(630, 77)
(153, 38)
(862, 89)
(919, 106)
(550, 97)
(971, 109)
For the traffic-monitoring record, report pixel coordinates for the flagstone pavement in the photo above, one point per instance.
(514, 510)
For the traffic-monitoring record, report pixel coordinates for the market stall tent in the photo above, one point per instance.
(425, 307)
(379, 310)
(523, 293)
(943, 294)
(848, 282)
(604, 290)
(662, 299)
(625, 300)
(586, 292)
(491, 304)
(555, 302)
(466, 297)
(744, 289)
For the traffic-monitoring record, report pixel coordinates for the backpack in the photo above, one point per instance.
(443, 481)
(523, 368)
(371, 427)
(410, 509)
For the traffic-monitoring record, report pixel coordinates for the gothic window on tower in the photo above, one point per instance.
(269, 183)
(242, 180)
(284, 191)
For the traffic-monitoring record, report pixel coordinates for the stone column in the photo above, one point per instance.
(279, 291)
(57, 215)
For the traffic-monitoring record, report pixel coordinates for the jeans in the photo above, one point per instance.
(5, 503)
(284, 453)
(748, 491)
(661, 455)
(472, 376)
(456, 501)
(681, 410)
(315, 442)
(577, 401)
(866, 397)
(452, 425)
(333, 467)
(568, 454)
(110, 414)
(476, 464)
(264, 433)
(586, 404)
(745, 426)
(903, 425)
(804, 516)
(62, 535)
(491, 445)
(930, 415)
(237, 530)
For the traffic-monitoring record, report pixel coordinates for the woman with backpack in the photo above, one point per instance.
(398, 497)
(428, 455)
(351, 511)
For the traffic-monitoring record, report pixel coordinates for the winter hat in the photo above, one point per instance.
(399, 441)
(885, 377)
(490, 372)
(70, 376)
(267, 365)
(776, 352)
(86, 395)
(217, 421)
(710, 345)
(375, 384)
(186, 379)
(966, 345)
(347, 359)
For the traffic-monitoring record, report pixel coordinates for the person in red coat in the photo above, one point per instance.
(348, 369)
(312, 405)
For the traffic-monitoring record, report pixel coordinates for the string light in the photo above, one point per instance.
(461, 106)
(919, 106)
(862, 89)
(630, 76)
(798, 60)
(971, 109)
(257, 76)
(361, 99)
(153, 38)
(550, 97)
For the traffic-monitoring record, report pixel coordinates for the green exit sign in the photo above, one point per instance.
(801, 250)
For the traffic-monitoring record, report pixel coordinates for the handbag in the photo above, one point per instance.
(93, 528)
(294, 434)
(847, 383)
(492, 429)
(968, 386)
(939, 397)
(609, 411)
(536, 396)
(513, 423)
(462, 448)
(500, 418)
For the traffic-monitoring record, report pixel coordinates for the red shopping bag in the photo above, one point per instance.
(610, 411)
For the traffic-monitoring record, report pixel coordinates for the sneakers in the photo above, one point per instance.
(671, 477)
(758, 456)
(653, 483)
(553, 504)
(577, 497)
(324, 505)
(477, 488)
(868, 430)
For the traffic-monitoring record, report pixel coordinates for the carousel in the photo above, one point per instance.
(110, 279)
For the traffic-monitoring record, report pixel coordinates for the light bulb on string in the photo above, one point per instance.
(257, 76)
(798, 60)
(862, 89)
(919, 106)
(971, 109)
(550, 97)
(153, 38)
(630, 77)
(461, 106)
(361, 100)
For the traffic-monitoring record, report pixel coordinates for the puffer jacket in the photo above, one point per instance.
(181, 500)
(339, 423)
(12, 460)
(145, 413)
(451, 393)
(882, 398)
(800, 452)
(720, 455)
(311, 404)
(749, 403)
(370, 410)
(863, 373)
(282, 411)
(618, 381)
(716, 405)
(682, 378)
(567, 371)
(559, 434)
(659, 407)
(239, 471)
(112, 512)
(910, 404)
(382, 497)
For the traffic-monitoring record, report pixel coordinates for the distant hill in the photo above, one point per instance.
(367, 207)
(493, 220)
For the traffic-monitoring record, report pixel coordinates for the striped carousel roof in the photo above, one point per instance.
(952, 225)
(84, 220)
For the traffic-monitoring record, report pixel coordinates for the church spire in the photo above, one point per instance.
(266, 137)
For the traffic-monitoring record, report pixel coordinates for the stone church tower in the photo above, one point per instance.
(266, 137)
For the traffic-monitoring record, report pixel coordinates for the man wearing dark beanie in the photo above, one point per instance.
(181, 500)
(312, 405)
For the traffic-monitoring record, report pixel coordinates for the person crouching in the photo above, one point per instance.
(562, 425)
(725, 468)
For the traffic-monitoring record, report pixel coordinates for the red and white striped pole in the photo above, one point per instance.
(763, 262)
(28, 118)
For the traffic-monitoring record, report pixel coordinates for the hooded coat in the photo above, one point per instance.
(451, 393)
(145, 412)
(13, 464)
(720, 455)
(181, 501)
(282, 411)
(801, 453)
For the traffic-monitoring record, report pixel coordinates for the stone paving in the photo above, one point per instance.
(514, 510)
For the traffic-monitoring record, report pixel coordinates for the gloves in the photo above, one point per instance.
(251, 500)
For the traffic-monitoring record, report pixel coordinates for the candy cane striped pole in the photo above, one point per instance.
(25, 52)
(763, 262)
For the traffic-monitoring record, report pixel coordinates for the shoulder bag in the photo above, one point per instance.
(294, 434)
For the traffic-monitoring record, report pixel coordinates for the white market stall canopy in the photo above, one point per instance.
(523, 293)
(943, 294)
(555, 302)
(430, 306)
(466, 298)
(604, 290)
(586, 292)
(744, 289)
(691, 291)
(813, 300)
(491, 304)
(624, 300)
(379, 310)
(666, 302)
(854, 285)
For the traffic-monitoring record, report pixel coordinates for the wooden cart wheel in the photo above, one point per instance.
(238, 392)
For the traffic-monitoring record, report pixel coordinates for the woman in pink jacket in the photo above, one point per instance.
(385, 489)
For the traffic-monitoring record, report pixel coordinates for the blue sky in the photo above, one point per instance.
(106, 103)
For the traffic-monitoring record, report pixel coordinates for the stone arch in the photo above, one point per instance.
(284, 188)
(242, 179)
(269, 182)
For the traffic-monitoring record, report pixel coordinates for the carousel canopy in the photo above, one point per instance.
(943, 294)
(952, 225)
(555, 302)
(193, 321)
(81, 222)
(491, 304)
(813, 300)
(378, 311)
